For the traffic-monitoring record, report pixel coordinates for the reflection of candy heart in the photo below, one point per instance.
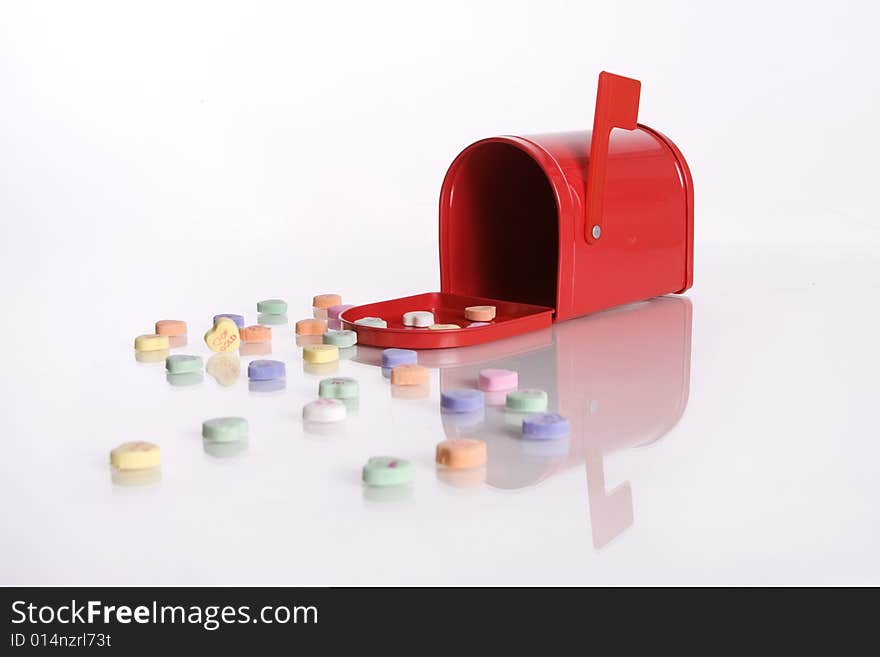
(461, 400)
(151, 356)
(223, 336)
(421, 391)
(409, 374)
(491, 379)
(321, 369)
(545, 425)
(255, 349)
(141, 477)
(183, 379)
(394, 357)
(269, 319)
(225, 368)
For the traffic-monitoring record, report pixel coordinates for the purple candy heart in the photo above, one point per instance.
(238, 319)
(333, 312)
(541, 426)
(394, 357)
(265, 370)
(461, 401)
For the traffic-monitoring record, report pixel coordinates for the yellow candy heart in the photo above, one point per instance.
(135, 456)
(151, 342)
(320, 353)
(223, 336)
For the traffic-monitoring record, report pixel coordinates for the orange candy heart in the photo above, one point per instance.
(255, 333)
(480, 313)
(311, 327)
(173, 327)
(461, 453)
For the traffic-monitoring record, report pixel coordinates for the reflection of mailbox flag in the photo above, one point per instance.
(622, 378)
(569, 223)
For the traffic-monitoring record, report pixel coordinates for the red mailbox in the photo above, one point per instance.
(551, 227)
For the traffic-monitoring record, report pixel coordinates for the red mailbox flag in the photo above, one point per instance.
(617, 106)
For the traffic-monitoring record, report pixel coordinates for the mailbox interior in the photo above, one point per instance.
(501, 236)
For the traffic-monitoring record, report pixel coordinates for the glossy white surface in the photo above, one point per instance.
(188, 161)
(767, 476)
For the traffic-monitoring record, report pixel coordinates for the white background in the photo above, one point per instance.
(180, 159)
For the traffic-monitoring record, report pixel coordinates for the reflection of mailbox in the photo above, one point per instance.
(553, 227)
(621, 378)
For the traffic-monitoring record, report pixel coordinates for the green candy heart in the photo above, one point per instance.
(387, 471)
(272, 306)
(224, 429)
(530, 400)
(183, 363)
(339, 387)
(340, 338)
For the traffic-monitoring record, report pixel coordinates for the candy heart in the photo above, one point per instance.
(324, 410)
(530, 400)
(181, 363)
(387, 471)
(320, 353)
(135, 455)
(223, 336)
(341, 387)
(480, 313)
(373, 322)
(151, 342)
(225, 429)
(461, 453)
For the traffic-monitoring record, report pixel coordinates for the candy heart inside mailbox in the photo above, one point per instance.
(551, 227)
